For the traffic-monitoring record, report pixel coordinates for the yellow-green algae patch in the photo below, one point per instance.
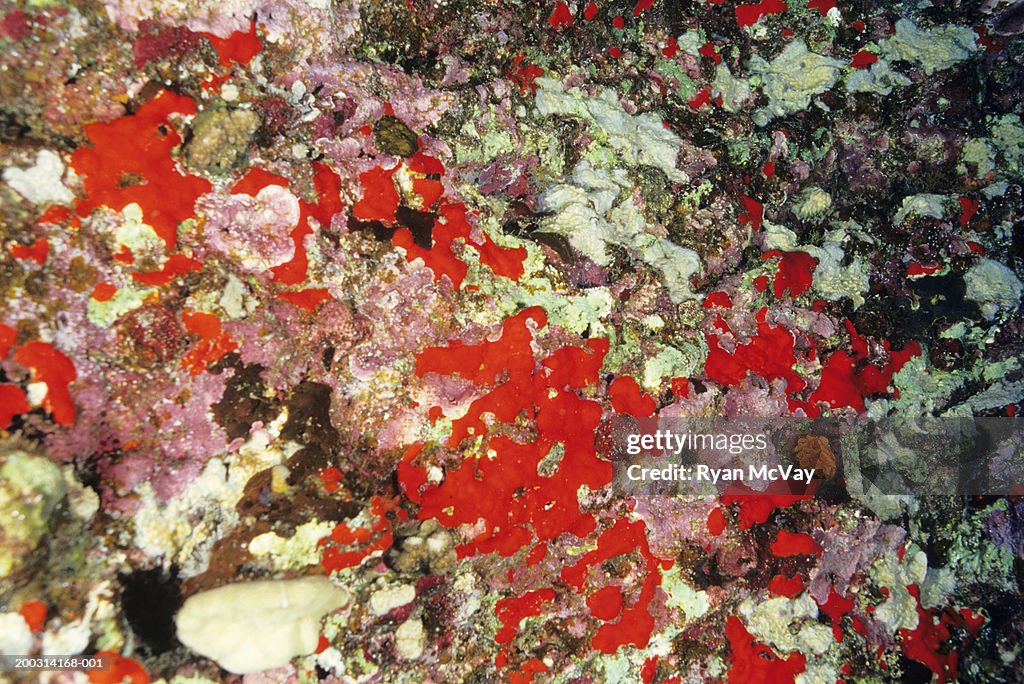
(30, 489)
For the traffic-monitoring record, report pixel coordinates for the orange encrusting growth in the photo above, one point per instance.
(502, 493)
(377, 538)
(37, 251)
(214, 342)
(51, 367)
(34, 613)
(121, 670)
(130, 161)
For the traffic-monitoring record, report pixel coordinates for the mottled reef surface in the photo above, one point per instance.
(331, 303)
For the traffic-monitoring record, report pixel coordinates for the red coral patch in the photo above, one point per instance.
(513, 610)
(627, 398)
(561, 16)
(214, 342)
(380, 199)
(239, 47)
(306, 299)
(13, 402)
(748, 15)
(51, 367)
(863, 59)
(790, 587)
(130, 162)
(103, 292)
(795, 274)
(754, 662)
(37, 251)
(769, 354)
(794, 544)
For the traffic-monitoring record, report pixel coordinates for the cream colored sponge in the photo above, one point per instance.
(253, 626)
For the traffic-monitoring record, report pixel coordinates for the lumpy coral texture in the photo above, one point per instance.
(341, 301)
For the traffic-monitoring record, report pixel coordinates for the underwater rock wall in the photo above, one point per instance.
(348, 295)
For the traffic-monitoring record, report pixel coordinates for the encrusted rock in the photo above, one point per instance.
(814, 451)
(31, 486)
(391, 136)
(220, 139)
(422, 548)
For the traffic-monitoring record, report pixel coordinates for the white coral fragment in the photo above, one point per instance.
(387, 599)
(410, 639)
(254, 626)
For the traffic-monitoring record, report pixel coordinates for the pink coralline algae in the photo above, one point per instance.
(255, 230)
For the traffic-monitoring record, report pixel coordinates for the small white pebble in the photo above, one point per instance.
(229, 92)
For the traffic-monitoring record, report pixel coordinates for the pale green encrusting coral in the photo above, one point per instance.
(923, 204)
(674, 362)
(812, 203)
(879, 79)
(1008, 138)
(977, 155)
(732, 90)
(834, 280)
(791, 625)
(777, 236)
(994, 286)
(687, 87)
(587, 211)
(899, 609)
(791, 79)
(932, 49)
(124, 300)
(974, 559)
(637, 138)
(835, 276)
(788, 624)
(681, 596)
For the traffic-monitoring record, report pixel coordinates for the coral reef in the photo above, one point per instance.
(321, 322)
